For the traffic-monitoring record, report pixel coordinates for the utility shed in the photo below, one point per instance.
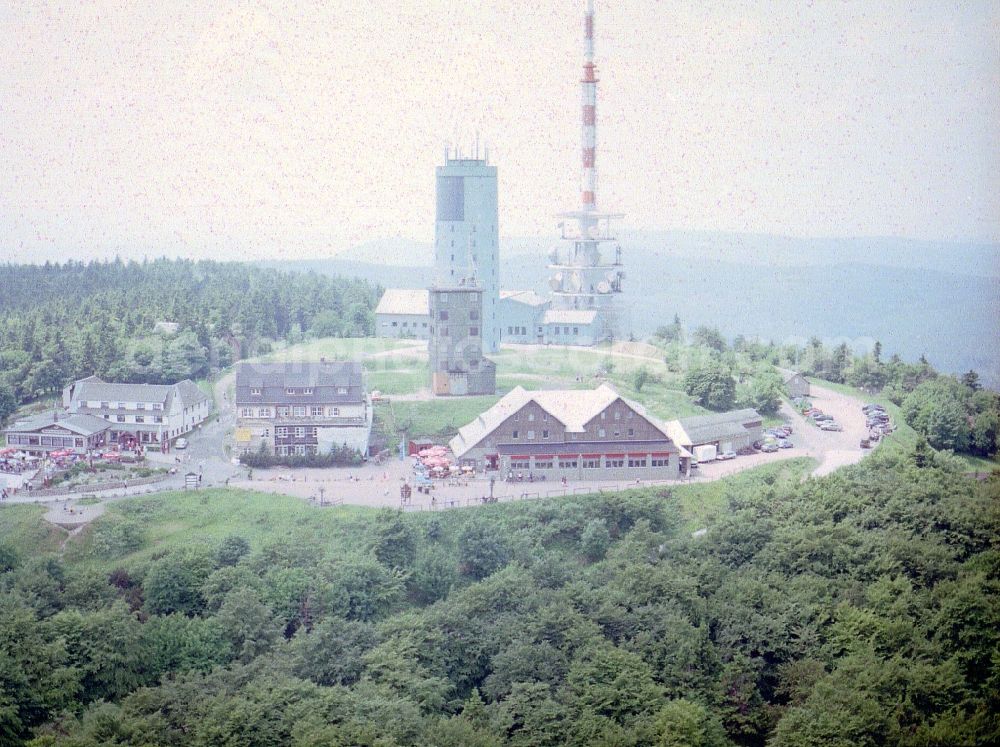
(727, 431)
(797, 385)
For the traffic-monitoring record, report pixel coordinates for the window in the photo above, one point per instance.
(334, 411)
(631, 432)
(264, 412)
(283, 411)
(618, 415)
(545, 433)
(316, 411)
(157, 418)
(567, 462)
(395, 324)
(591, 463)
(629, 414)
(281, 432)
(140, 419)
(513, 435)
(473, 331)
(299, 411)
(617, 432)
(661, 461)
(311, 432)
(120, 418)
(246, 412)
(576, 330)
(531, 416)
(601, 433)
(341, 390)
(531, 435)
(425, 325)
(614, 462)
(543, 463)
(300, 431)
(474, 364)
(473, 315)
(282, 450)
(140, 405)
(443, 316)
(79, 442)
(637, 461)
(255, 391)
(307, 390)
(444, 332)
(406, 324)
(157, 406)
(556, 330)
(444, 296)
(519, 464)
(510, 330)
(565, 330)
(105, 405)
(300, 449)
(120, 405)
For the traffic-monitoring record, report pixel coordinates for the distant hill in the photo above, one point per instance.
(937, 299)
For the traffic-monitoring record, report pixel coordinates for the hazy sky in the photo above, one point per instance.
(257, 129)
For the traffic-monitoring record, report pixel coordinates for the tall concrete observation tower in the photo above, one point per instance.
(463, 300)
(586, 267)
(466, 235)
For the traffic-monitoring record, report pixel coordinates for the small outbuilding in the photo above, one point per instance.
(727, 431)
(797, 385)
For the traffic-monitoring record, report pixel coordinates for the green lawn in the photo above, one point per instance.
(337, 348)
(181, 519)
(438, 418)
(22, 527)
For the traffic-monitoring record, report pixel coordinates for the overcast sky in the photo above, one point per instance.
(294, 129)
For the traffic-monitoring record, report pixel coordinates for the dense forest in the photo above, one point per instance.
(857, 609)
(60, 322)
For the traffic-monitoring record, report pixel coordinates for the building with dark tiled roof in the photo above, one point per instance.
(727, 431)
(302, 407)
(57, 431)
(147, 414)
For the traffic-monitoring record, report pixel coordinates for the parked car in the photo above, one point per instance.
(785, 444)
(181, 443)
(769, 448)
(831, 426)
(866, 443)
(727, 455)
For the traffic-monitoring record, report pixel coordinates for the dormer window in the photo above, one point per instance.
(255, 391)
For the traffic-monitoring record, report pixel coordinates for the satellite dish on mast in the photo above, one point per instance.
(604, 287)
(555, 282)
(575, 283)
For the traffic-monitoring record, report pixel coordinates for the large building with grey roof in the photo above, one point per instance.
(578, 434)
(299, 408)
(151, 415)
(727, 431)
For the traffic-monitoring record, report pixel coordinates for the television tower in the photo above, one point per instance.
(582, 277)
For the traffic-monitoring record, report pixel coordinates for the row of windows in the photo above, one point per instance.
(136, 418)
(473, 332)
(404, 324)
(299, 431)
(123, 405)
(571, 462)
(284, 411)
(15, 440)
(256, 391)
(565, 330)
(601, 433)
(296, 450)
(517, 330)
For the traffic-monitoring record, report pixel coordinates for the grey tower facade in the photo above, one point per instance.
(456, 344)
(467, 238)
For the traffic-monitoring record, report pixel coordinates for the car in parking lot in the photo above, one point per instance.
(181, 443)
(830, 426)
(784, 443)
(727, 455)
(769, 447)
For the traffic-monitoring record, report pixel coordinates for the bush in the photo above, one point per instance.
(339, 456)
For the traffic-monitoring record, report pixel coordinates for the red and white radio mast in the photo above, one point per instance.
(588, 184)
